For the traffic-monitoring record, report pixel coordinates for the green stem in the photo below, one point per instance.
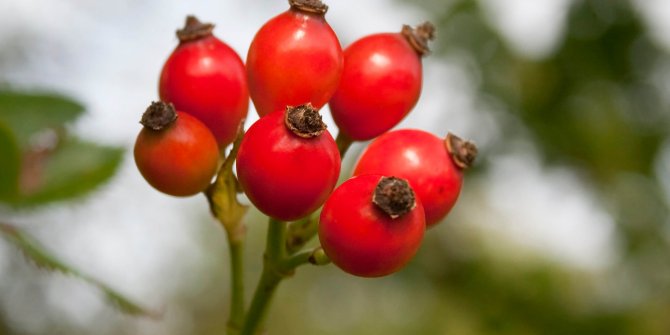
(274, 247)
(343, 143)
(273, 273)
(316, 257)
(297, 260)
(225, 207)
(260, 304)
(236, 247)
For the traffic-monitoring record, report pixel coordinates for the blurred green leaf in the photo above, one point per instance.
(33, 251)
(43, 164)
(9, 164)
(45, 260)
(28, 114)
(125, 305)
(596, 104)
(74, 168)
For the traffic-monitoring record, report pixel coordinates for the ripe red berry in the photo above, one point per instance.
(206, 78)
(371, 225)
(175, 152)
(295, 58)
(288, 163)
(432, 166)
(381, 81)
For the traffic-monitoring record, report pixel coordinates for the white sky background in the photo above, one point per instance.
(108, 54)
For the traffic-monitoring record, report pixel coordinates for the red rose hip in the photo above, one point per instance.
(372, 225)
(433, 166)
(175, 152)
(206, 78)
(295, 58)
(381, 81)
(288, 163)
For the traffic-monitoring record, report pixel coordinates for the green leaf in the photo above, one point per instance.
(10, 162)
(73, 169)
(27, 114)
(125, 305)
(45, 260)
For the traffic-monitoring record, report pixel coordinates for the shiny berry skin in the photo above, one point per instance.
(295, 58)
(381, 82)
(206, 78)
(181, 157)
(362, 239)
(287, 176)
(424, 160)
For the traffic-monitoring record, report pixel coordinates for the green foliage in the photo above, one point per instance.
(46, 260)
(592, 105)
(9, 164)
(28, 114)
(41, 163)
(74, 169)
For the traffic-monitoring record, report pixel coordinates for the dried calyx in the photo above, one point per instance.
(419, 36)
(394, 196)
(310, 6)
(159, 116)
(463, 152)
(304, 121)
(194, 30)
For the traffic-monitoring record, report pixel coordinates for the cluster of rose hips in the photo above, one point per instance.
(288, 164)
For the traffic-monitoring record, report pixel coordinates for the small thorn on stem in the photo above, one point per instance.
(304, 121)
(463, 152)
(194, 30)
(420, 36)
(394, 196)
(159, 115)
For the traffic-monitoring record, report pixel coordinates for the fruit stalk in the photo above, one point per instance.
(236, 249)
(275, 252)
(222, 198)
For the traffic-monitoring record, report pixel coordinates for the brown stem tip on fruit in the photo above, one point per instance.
(194, 30)
(310, 6)
(419, 37)
(463, 152)
(304, 121)
(394, 196)
(159, 115)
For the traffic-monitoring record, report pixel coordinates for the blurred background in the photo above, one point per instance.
(563, 226)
